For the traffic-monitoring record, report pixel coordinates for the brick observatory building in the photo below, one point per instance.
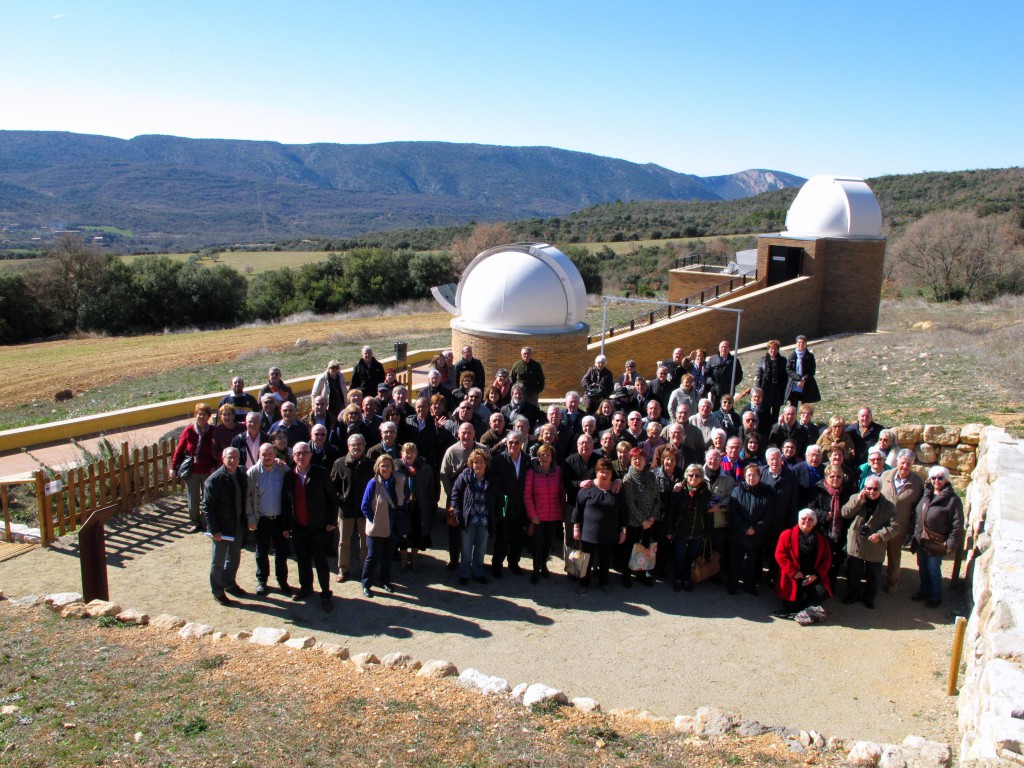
(821, 276)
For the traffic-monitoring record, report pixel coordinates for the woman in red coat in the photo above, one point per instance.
(804, 557)
(196, 441)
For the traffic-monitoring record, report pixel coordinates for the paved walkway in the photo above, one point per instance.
(869, 674)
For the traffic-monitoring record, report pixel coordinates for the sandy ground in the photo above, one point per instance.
(864, 674)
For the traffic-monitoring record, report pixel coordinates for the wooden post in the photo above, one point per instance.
(954, 660)
(124, 492)
(45, 522)
(92, 552)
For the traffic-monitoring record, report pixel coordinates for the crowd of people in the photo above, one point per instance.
(652, 479)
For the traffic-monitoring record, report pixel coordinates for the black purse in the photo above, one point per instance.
(184, 470)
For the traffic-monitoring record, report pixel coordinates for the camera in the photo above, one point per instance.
(865, 530)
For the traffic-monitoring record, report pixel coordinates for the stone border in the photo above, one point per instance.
(914, 751)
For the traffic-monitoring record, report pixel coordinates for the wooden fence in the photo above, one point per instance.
(135, 477)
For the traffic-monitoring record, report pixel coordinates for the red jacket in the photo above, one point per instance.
(545, 495)
(787, 554)
(203, 463)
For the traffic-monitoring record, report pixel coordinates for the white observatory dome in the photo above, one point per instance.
(523, 287)
(832, 206)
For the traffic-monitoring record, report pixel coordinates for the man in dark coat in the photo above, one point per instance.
(751, 509)
(248, 443)
(350, 475)
(242, 401)
(529, 373)
(315, 517)
(471, 364)
(510, 529)
(324, 454)
(724, 373)
(864, 434)
(520, 405)
(786, 493)
(367, 373)
(223, 507)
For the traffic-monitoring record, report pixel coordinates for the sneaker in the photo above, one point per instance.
(389, 589)
(261, 590)
(196, 529)
(367, 592)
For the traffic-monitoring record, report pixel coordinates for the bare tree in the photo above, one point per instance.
(483, 236)
(957, 254)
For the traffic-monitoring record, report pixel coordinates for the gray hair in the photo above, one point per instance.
(906, 453)
(588, 420)
(772, 452)
(875, 451)
(600, 359)
(806, 513)
(935, 471)
(718, 431)
(705, 400)
(812, 449)
(356, 439)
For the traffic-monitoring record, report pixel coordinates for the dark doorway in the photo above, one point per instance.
(784, 263)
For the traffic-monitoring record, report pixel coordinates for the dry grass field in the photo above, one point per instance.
(252, 262)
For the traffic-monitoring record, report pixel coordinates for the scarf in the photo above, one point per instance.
(834, 511)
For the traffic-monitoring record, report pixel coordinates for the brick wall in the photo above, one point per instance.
(564, 356)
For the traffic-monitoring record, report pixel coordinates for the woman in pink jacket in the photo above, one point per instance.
(545, 506)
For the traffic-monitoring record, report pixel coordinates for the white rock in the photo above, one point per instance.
(10, 709)
(538, 692)
(300, 643)
(74, 611)
(333, 649)
(684, 723)
(519, 691)
(28, 601)
(131, 616)
(892, 757)
(400, 661)
(60, 599)
(364, 660)
(245, 634)
(167, 621)
(438, 668)
(585, 704)
(195, 629)
(268, 636)
(218, 636)
(474, 678)
(865, 753)
(99, 608)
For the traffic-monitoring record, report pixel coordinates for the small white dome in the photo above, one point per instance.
(525, 287)
(832, 206)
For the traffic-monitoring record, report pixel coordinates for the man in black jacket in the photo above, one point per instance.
(510, 528)
(720, 375)
(248, 443)
(351, 474)
(316, 516)
(367, 373)
(471, 364)
(223, 509)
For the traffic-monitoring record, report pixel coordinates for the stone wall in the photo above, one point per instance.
(991, 703)
(955, 448)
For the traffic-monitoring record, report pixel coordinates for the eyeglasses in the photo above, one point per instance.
(939, 479)
(515, 442)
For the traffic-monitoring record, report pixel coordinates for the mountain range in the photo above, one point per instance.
(170, 191)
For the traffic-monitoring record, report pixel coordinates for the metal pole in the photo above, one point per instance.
(954, 660)
(604, 321)
(735, 352)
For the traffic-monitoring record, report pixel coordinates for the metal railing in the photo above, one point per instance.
(676, 308)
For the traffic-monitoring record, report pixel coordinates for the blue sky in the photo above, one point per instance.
(862, 88)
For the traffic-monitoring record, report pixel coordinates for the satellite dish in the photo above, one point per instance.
(445, 296)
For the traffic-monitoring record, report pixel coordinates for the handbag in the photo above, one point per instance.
(576, 563)
(934, 544)
(184, 469)
(705, 565)
(642, 558)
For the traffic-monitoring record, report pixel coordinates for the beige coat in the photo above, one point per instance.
(882, 521)
(905, 501)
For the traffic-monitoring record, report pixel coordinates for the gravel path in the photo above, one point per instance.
(864, 674)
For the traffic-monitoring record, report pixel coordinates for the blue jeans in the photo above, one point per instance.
(379, 554)
(474, 544)
(686, 551)
(930, 567)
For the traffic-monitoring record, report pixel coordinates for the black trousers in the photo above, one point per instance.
(602, 554)
(454, 543)
(311, 551)
(745, 559)
(271, 532)
(509, 535)
(544, 536)
(862, 578)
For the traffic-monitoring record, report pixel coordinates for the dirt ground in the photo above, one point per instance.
(878, 674)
